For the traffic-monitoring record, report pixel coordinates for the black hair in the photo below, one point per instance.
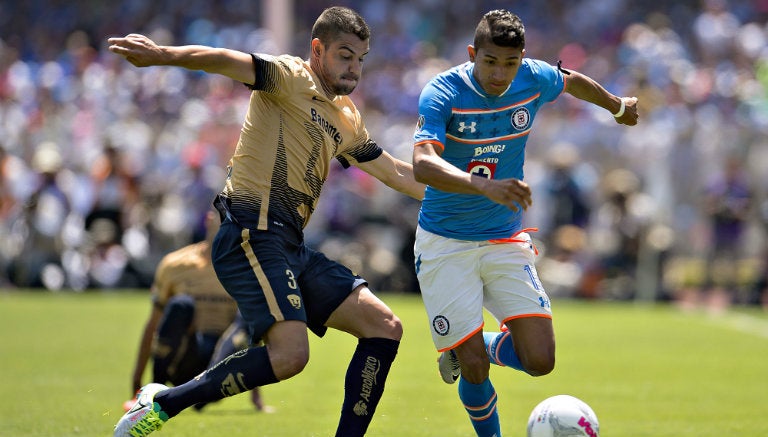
(337, 20)
(502, 28)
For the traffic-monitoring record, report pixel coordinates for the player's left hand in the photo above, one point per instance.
(630, 116)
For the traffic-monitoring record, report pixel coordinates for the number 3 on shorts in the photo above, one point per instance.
(291, 279)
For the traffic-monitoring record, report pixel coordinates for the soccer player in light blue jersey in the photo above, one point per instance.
(471, 250)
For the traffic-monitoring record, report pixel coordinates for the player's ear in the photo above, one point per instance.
(472, 52)
(317, 47)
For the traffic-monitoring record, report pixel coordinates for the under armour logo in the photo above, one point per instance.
(543, 302)
(471, 127)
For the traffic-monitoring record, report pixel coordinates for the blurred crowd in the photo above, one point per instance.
(105, 167)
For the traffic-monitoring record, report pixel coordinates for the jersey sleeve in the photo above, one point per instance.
(272, 73)
(363, 148)
(368, 151)
(434, 114)
(551, 80)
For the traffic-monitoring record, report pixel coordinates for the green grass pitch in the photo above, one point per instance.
(646, 370)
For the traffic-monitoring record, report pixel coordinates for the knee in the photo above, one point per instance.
(286, 364)
(539, 365)
(394, 328)
(295, 364)
(180, 304)
(474, 366)
(386, 325)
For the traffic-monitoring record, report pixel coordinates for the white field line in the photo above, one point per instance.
(742, 323)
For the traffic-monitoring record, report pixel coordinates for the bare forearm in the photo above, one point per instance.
(211, 60)
(405, 181)
(431, 169)
(587, 89)
(394, 173)
(143, 52)
(438, 174)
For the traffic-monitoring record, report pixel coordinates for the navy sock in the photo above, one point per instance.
(480, 402)
(364, 384)
(239, 372)
(501, 351)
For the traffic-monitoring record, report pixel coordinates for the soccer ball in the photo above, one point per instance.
(563, 416)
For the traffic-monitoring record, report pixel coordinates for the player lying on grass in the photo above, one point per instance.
(193, 323)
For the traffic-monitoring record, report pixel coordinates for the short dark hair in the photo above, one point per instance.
(502, 28)
(337, 20)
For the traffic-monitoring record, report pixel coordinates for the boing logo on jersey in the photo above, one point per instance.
(521, 118)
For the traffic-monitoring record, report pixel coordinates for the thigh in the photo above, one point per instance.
(177, 319)
(260, 270)
(325, 285)
(512, 286)
(451, 288)
(364, 315)
(534, 340)
(180, 363)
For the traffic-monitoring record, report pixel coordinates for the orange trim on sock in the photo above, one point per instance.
(480, 419)
(504, 334)
(482, 407)
(491, 403)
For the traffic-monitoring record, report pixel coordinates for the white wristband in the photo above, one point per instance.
(621, 109)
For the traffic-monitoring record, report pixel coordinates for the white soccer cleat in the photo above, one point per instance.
(145, 416)
(449, 366)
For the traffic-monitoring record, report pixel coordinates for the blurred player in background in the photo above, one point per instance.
(300, 119)
(471, 249)
(194, 323)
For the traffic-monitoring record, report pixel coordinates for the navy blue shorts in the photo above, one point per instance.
(273, 278)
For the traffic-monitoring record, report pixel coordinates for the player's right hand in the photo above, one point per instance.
(137, 49)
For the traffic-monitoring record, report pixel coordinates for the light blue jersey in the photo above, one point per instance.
(484, 135)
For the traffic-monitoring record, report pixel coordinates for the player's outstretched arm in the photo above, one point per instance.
(585, 88)
(143, 52)
(395, 173)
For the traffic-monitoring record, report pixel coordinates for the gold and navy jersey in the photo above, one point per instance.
(189, 271)
(290, 136)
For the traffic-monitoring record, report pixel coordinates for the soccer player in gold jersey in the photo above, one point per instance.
(300, 118)
(193, 322)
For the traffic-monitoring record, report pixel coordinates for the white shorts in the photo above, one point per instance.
(459, 278)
